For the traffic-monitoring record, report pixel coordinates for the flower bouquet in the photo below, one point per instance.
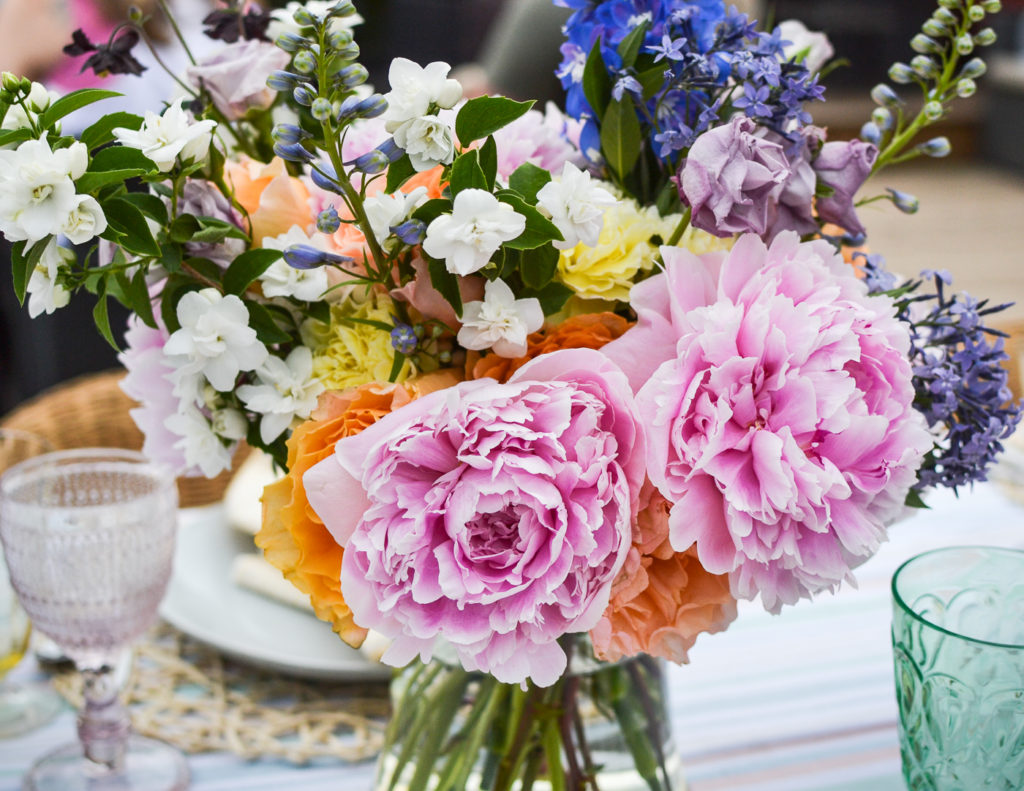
(549, 390)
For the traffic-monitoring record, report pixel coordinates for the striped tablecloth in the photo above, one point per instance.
(798, 702)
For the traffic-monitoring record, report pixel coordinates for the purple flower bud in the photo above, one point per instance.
(906, 203)
(283, 80)
(403, 339)
(293, 152)
(305, 256)
(304, 94)
(290, 42)
(325, 178)
(870, 133)
(412, 232)
(936, 147)
(884, 96)
(351, 76)
(843, 166)
(328, 220)
(371, 163)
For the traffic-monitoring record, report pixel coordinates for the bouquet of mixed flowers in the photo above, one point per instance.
(530, 374)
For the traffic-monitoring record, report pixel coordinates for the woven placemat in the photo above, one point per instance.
(187, 694)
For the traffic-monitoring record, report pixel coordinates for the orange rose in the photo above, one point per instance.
(293, 538)
(586, 331)
(662, 599)
(274, 200)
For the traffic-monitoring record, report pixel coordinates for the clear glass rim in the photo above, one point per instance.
(136, 459)
(905, 607)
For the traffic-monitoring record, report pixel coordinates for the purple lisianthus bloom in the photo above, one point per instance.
(203, 199)
(779, 406)
(489, 517)
(843, 166)
(734, 178)
(236, 76)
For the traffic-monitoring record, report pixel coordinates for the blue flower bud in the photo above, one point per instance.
(328, 220)
(323, 175)
(342, 8)
(975, 13)
(992, 6)
(924, 66)
(966, 88)
(305, 61)
(901, 74)
(349, 52)
(985, 37)
(290, 42)
(350, 76)
(288, 134)
(882, 117)
(934, 28)
(412, 232)
(933, 110)
(945, 16)
(936, 147)
(293, 152)
(373, 106)
(907, 204)
(304, 17)
(925, 45)
(282, 80)
(403, 339)
(340, 38)
(854, 239)
(973, 69)
(304, 94)
(444, 357)
(884, 96)
(320, 109)
(870, 133)
(371, 163)
(391, 150)
(965, 45)
(305, 256)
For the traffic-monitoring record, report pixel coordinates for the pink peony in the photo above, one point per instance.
(146, 381)
(491, 517)
(777, 398)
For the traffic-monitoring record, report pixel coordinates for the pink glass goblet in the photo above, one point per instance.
(89, 541)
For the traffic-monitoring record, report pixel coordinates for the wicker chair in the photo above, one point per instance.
(92, 411)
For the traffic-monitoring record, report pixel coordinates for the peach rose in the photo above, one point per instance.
(662, 599)
(274, 200)
(586, 331)
(293, 538)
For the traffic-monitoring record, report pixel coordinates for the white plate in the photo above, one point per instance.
(204, 603)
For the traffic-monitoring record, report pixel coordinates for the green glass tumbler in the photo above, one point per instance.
(958, 647)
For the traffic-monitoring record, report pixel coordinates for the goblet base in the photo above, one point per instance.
(25, 707)
(149, 765)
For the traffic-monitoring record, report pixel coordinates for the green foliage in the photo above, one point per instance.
(539, 229)
(244, 270)
(73, 101)
(485, 115)
(528, 180)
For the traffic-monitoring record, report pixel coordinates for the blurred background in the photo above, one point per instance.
(971, 220)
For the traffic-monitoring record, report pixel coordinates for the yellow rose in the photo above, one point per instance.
(351, 353)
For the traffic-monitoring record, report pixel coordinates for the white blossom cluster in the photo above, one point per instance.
(417, 93)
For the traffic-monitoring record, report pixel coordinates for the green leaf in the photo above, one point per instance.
(244, 270)
(120, 158)
(73, 101)
(175, 288)
(213, 230)
(652, 81)
(538, 266)
(148, 204)
(485, 115)
(91, 182)
(183, 228)
(206, 268)
(552, 297)
(396, 366)
(621, 136)
(539, 229)
(101, 132)
(102, 320)
(432, 209)
(23, 261)
(528, 179)
(261, 320)
(629, 47)
(11, 136)
(399, 172)
(914, 500)
(139, 300)
(124, 217)
(488, 155)
(597, 85)
(446, 283)
(467, 173)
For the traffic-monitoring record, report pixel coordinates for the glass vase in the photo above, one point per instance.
(602, 727)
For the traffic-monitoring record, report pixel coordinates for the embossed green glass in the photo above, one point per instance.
(958, 646)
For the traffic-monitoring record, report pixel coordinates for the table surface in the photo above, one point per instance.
(802, 701)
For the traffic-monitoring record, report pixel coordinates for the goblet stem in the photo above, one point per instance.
(104, 722)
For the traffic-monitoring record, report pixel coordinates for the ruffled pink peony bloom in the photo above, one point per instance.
(737, 178)
(491, 517)
(777, 398)
(146, 381)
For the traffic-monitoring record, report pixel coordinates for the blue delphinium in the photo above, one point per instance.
(959, 380)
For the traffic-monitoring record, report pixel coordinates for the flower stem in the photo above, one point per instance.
(684, 223)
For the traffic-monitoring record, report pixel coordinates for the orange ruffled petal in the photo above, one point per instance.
(292, 537)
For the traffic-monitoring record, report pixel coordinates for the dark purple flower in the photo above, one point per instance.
(230, 24)
(114, 57)
(843, 166)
